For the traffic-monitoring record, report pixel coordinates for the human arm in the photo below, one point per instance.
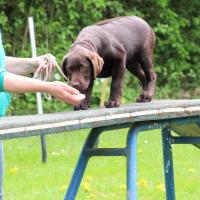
(26, 66)
(20, 84)
(21, 66)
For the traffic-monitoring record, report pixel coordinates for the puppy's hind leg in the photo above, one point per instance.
(146, 63)
(137, 71)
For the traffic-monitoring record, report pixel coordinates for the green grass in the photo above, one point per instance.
(26, 178)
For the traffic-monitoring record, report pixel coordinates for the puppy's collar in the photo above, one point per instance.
(84, 42)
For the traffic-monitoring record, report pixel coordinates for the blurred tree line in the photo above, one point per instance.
(57, 23)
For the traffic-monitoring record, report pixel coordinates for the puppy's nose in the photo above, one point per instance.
(75, 85)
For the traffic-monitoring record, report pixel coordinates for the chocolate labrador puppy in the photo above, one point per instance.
(108, 48)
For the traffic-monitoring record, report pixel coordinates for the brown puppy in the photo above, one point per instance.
(106, 49)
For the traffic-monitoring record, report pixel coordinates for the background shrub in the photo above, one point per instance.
(57, 23)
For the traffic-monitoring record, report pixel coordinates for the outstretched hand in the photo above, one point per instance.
(65, 93)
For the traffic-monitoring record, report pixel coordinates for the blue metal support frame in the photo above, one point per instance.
(185, 140)
(131, 177)
(168, 164)
(82, 163)
(90, 149)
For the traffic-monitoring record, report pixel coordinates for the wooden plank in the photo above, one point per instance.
(24, 126)
(187, 130)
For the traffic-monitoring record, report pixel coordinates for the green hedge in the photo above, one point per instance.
(57, 23)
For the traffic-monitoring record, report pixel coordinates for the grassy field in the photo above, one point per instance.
(26, 178)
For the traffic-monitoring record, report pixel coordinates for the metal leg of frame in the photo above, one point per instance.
(81, 164)
(132, 163)
(168, 164)
(44, 149)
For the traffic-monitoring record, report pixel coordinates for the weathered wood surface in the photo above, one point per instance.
(24, 126)
(192, 130)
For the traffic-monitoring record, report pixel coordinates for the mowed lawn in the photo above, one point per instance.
(26, 178)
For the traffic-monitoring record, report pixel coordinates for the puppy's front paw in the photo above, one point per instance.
(112, 104)
(144, 97)
(82, 106)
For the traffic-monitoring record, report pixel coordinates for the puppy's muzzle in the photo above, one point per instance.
(76, 85)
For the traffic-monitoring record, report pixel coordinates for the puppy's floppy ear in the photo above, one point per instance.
(63, 64)
(97, 63)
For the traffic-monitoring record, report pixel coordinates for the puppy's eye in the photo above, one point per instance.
(83, 69)
(69, 71)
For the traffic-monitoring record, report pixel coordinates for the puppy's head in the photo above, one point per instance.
(81, 66)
